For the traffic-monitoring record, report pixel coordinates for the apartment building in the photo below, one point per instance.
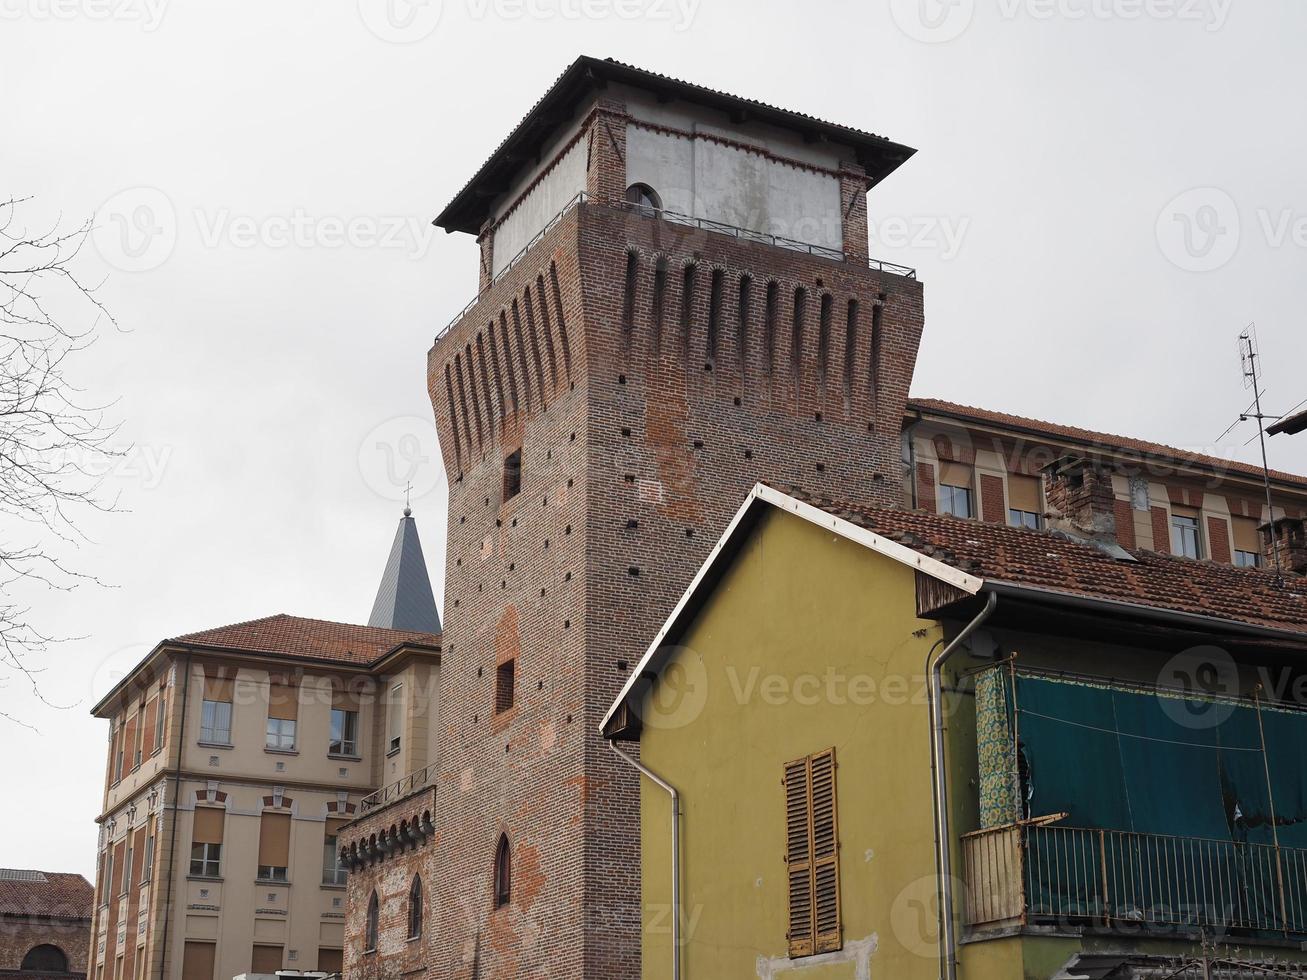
(976, 463)
(235, 754)
(970, 750)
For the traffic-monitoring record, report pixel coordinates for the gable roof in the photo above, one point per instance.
(471, 206)
(1102, 440)
(404, 598)
(309, 639)
(974, 557)
(48, 894)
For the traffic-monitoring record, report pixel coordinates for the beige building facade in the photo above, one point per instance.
(234, 757)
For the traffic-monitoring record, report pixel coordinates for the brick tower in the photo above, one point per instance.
(676, 301)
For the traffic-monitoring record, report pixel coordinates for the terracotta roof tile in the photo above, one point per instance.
(295, 636)
(45, 893)
(1048, 560)
(1104, 440)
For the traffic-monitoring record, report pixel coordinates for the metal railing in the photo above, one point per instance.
(399, 789)
(676, 218)
(1031, 873)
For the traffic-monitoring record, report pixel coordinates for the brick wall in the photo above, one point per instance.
(643, 420)
(1218, 539)
(19, 935)
(1161, 531)
(992, 503)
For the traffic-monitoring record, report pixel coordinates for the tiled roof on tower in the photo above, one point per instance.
(404, 598)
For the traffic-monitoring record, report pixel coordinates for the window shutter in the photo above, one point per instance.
(1023, 493)
(208, 825)
(825, 853)
(218, 684)
(197, 961)
(955, 475)
(148, 715)
(282, 700)
(798, 856)
(343, 697)
(1246, 535)
(812, 855)
(274, 840)
(265, 959)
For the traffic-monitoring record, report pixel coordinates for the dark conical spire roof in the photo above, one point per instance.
(404, 598)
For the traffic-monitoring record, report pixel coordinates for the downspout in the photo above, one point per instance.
(676, 852)
(943, 835)
(172, 837)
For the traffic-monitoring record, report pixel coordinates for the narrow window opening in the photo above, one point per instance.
(850, 346)
(714, 312)
(512, 475)
(508, 359)
(742, 324)
(687, 307)
(562, 324)
(548, 329)
(823, 337)
(659, 298)
(503, 872)
(877, 313)
(628, 309)
(796, 331)
(505, 683)
(769, 327)
(415, 908)
(370, 932)
(453, 417)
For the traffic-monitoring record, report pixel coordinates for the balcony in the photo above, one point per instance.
(1033, 873)
(411, 783)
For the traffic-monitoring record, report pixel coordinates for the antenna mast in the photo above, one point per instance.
(1248, 354)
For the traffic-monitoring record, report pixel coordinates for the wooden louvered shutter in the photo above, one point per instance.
(812, 855)
(798, 856)
(825, 852)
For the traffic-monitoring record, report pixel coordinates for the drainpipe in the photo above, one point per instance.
(943, 835)
(176, 801)
(676, 852)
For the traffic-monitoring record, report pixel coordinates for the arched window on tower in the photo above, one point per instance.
(45, 959)
(415, 908)
(370, 931)
(645, 198)
(503, 872)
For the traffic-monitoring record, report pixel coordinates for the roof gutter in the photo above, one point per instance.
(943, 834)
(1117, 607)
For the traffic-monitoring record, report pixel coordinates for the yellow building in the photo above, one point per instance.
(235, 756)
(1100, 817)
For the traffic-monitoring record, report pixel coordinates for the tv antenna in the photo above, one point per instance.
(1249, 355)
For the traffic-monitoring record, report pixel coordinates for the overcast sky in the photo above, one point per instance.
(1106, 193)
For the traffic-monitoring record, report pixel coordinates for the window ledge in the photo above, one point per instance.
(393, 752)
(333, 887)
(271, 751)
(215, 745)
(217, 878)
(345, 758)
(273, 881)
(413, 939)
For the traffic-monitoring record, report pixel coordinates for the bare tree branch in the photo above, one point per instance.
(55, 447)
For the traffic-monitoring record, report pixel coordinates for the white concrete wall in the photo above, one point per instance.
(708, 179)
(546, 199)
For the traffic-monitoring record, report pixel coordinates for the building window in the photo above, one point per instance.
(1025, 501)
(274, 846)
(504, 685)
(159, 722)
(955, 500)
(118, 752)
(512, 474)
(1247, 542)
(127, 871)
(331, 960)
(206, 842)
(206, 860)
(265, 959)
(955, 494)
(283, 710)
(45, 959)
(215, 722)
(395, 718)
(644, 197)
(415, 908)
(344, 732)
(147, 862)
(281, 733)
(1186, 538)
(812, 855)
(333, 872)
(197, 960)
(503, 872)
(370, 930)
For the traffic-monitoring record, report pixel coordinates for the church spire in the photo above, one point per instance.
(404, 598)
